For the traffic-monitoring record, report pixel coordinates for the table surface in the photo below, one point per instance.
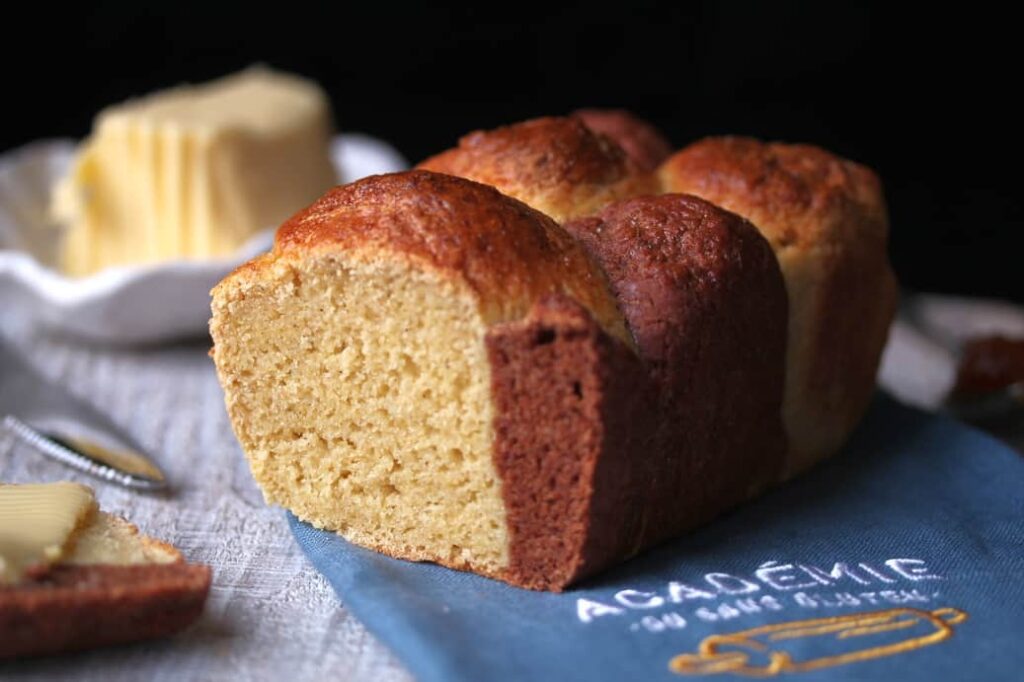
(270, 616)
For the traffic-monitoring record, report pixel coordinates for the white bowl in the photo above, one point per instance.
(131, 304)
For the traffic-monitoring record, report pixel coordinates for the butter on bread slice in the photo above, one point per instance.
(38, 524)
(74, 577)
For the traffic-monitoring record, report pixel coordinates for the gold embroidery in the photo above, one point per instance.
(758, 642)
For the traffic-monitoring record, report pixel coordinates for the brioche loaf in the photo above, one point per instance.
(439, 372)
(824, 216)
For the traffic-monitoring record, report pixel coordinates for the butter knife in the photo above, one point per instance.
(69, 430)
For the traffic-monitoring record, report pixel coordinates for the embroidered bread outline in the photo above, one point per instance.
(732, 653)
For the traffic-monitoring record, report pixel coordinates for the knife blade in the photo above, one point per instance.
(69, 430)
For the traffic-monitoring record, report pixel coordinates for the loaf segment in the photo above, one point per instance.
(704, 299)
(355, 365)
(557, 165)
(826, 220)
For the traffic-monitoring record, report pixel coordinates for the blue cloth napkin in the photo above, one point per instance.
(902, 558)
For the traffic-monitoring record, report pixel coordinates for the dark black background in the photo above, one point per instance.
(924, 97)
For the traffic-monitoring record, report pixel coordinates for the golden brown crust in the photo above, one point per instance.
(826, 219)
(154, 546)
(799, 195)
(557, 165)
(642, 142)
(508, 253)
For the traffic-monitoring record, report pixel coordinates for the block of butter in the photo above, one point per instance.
(194, 171)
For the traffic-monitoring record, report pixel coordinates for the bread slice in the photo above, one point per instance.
(113, 585)
(438, 372)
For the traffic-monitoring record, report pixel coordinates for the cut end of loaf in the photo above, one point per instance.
(360, 391)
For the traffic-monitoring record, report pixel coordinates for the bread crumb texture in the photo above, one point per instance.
(359, 388)
(110, 540)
